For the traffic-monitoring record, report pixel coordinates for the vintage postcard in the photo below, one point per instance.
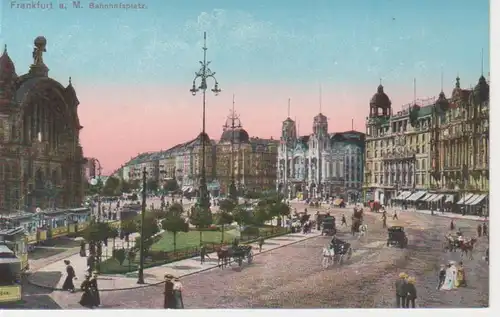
(244, 154)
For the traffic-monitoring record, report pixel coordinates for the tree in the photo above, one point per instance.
(135, 184)
(201, 218)
(261, 214)
(150, 228)
(171, 185)
(224, 216)
(242, 216)
(175, 222)
(97, 232)
(111, 187)
(125, 186)
(152, 185)
(127, 228)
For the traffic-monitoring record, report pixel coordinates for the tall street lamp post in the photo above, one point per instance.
(140, 279)
(97, 182)
(203, 74)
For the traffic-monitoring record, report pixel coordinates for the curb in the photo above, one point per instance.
(161, 282)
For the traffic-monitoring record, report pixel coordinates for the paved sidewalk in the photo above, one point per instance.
(52, 276)
(442, 214)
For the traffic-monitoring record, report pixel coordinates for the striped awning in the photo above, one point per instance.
(463, 200)
(471, 199)
(477, 200)
(403, 196)
(416, 196)
(437, 198)
(430, 197)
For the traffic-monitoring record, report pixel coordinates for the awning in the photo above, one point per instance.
(477, 200)
(190, 189)
(437, 198)
(401, 194)
(404, 195)
(338, 201)
(185, 188)
(449, 198)
(430, 197)
(416, 196)
(427, 196)
(471, 199)
(467, 197)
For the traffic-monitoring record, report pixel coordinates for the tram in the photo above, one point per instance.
(13, 263)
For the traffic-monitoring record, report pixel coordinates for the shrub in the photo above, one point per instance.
(119, 255)
(251, 231)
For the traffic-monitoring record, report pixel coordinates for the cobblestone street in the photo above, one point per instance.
(292, 276)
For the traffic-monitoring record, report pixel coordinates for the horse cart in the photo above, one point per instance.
(357, 220)
(242, 252)
(336, 252)
(328, 227)
(397, 237)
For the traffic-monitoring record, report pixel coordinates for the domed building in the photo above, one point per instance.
(246, 162)
(42, 160)
(320, 164)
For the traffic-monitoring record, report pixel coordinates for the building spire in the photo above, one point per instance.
(233, 113)
(69, 80)
(441, 78)
(352, 124)
(288, 107)
(380, 81)
(5, 49)
(298, 127)
(482, 62)
(320, 98)
(415, 91)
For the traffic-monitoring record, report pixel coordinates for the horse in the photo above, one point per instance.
(466, 247)
(223, 256)
(328, 257)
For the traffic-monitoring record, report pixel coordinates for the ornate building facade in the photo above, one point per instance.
(41, 157)
(435, 151)
(397, 148)
(320, 164)
(248, 163)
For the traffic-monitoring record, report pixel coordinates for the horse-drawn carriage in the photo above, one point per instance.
(236, 252)
(457, 241)
(328, 227)
(336, 252)
(242, 252)
(397, 237)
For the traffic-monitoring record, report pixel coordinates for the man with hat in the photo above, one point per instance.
(411, 292)
(401, 290)
(168, 294)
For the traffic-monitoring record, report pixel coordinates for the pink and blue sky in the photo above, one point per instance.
(132, 69)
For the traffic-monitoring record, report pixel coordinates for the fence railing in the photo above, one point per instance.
(110, 265)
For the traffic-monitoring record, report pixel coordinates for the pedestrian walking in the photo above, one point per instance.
(344, 220)
(441, 276)
(203, 253)
(168, 294)
(90, 264)
(411, 292)
(261, 243)
(68, 282)
(86, 299)
(82, 249)
(384, 221)
(94, 288)
(401, 290)
(452, 225)
(179, 304)
(395, 216)
(485, 229)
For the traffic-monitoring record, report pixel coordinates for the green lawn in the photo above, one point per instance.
(191, 239)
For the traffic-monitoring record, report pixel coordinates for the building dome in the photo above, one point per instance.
(380, 99)
(320, 118)
(481, 91)
(238, 135)
(7, 68)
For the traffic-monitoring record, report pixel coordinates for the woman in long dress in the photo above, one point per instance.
(179, 304)
(86, 300)
(461, 281)
(68, 282)
(451, 276)
(95, 290)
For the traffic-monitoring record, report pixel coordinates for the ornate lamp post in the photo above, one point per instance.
(203, 74)
(97, 182)
(140, 279)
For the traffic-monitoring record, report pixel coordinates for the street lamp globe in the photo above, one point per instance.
(93, 181)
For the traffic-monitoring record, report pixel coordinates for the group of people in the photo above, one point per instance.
(452, 276)
(90, 297)
(406, 291)
(173, 293)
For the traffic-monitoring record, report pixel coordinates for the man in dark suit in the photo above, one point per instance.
(401, 290)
